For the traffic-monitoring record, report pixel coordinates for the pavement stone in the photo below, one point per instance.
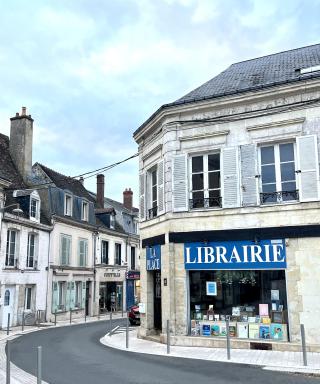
(271, 360)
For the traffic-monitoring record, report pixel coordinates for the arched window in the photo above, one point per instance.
(7, 297)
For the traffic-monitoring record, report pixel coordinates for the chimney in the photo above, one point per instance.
(21, 133)
(100, 191)
(81, 180)
(127, 198)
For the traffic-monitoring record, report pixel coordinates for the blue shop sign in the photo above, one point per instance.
(153, 258)
(266, 254)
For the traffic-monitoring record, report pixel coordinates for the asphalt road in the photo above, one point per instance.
(74, 355)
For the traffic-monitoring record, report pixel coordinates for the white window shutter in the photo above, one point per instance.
(179, 183)
(249, 188)
(142, 192)
(161, 204)
(230, 174)
(308, 168)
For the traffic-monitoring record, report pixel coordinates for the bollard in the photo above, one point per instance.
(122, 311)
(85, 316)
(8, 324)
(39, 366)
(8, 363)
(70, 316)
(228, 339)
(55, 317)
(99, 313)
(110, 320)
(127, 331)
(168, 337)
(303, 342)
(23, 321)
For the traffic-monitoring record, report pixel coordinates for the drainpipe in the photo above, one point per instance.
(48, 273)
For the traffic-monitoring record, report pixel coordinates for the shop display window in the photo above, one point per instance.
(254, 302)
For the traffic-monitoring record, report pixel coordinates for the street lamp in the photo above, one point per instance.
(17, 211)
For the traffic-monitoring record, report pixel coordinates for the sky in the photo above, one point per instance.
(90, 72)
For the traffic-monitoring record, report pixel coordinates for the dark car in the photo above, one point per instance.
(134, 315)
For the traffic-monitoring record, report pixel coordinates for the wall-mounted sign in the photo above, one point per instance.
(211, 288)
(133, 275)
(112, 274)
(266, 254)
(142, 308)
(153, 258)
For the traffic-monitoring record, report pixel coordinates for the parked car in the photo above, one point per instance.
(134, 315)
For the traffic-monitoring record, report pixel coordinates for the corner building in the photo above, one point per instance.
(229, 207)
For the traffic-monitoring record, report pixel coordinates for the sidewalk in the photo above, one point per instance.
(18, 376)
(271, 360)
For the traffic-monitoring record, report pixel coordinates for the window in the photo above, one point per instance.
(153, 193)
(31, 251)
(104, 252)
(78, 294)
(68, 205)
(6, 298)
(61, 295)
(118, 254)
(65, 249)
(34, 209)
(12, 247)
(278, 177)
(83, 252)
(112, 221)
(205, 181)
(85, 211)
(27, 298)
(133, 259)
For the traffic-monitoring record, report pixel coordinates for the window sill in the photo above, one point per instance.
(279, 204)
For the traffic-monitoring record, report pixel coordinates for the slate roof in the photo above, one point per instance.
(8, 170)
(66, 182)
(254, 74)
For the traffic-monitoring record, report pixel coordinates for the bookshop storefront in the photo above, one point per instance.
(241, 281)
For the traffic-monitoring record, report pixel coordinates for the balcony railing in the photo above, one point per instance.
(208, 202)
(152, 212)
(279, 197)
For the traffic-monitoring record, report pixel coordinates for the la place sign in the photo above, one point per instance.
(265, 254)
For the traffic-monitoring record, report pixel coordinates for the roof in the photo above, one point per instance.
(8, 170)
(66, 182)
(276, 69)
(120, 206)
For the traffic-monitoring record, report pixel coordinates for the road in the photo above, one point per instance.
(74, 355)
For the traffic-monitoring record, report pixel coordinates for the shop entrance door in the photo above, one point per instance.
(87, 297)
(157, 300)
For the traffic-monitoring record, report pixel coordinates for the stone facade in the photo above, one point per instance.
(265, 117)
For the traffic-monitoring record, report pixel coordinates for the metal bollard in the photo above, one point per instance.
(8, 324)
(127, 331)
(303, 342)
(228, 339)
(39, 366)
(122, 311)
(168, 337)
(55, 317)
(85, 316)
(23, 322)
(99, 313)
(110, 320)
(70, 316)
(8, 363)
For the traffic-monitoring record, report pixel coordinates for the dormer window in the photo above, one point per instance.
(67, 205)
(84, 211)
(34, 207)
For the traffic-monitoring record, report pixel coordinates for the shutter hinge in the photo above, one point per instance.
(298, 171)
(257, 176)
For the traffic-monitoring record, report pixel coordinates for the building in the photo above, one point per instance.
(229, 207)
(24, 230)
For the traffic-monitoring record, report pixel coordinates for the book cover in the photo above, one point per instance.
(235, 311)
(277, 331)
(266, 320)
(223, 330)
(206, 330)
(232, 331)
(242, 329)
(264, 332)
(215, 330)
(263, 309)
(253, 331)
(251, 319)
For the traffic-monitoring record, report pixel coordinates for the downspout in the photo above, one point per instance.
(48, 272)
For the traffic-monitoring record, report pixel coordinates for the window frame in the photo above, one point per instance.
(152, 200)
(277, 165)
(28, 298)
(68, 257)
(206, 186)
(34, 257)
(61, 300)
(68, 197)
(36, 217)
(78, 294)
(85, 253)
(8, 248)
(101, 252)
(117, 255)
(133, 258)
(84, 210)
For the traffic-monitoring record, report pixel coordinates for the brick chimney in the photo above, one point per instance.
(100, 191)
(127, 198)
(21, 133)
